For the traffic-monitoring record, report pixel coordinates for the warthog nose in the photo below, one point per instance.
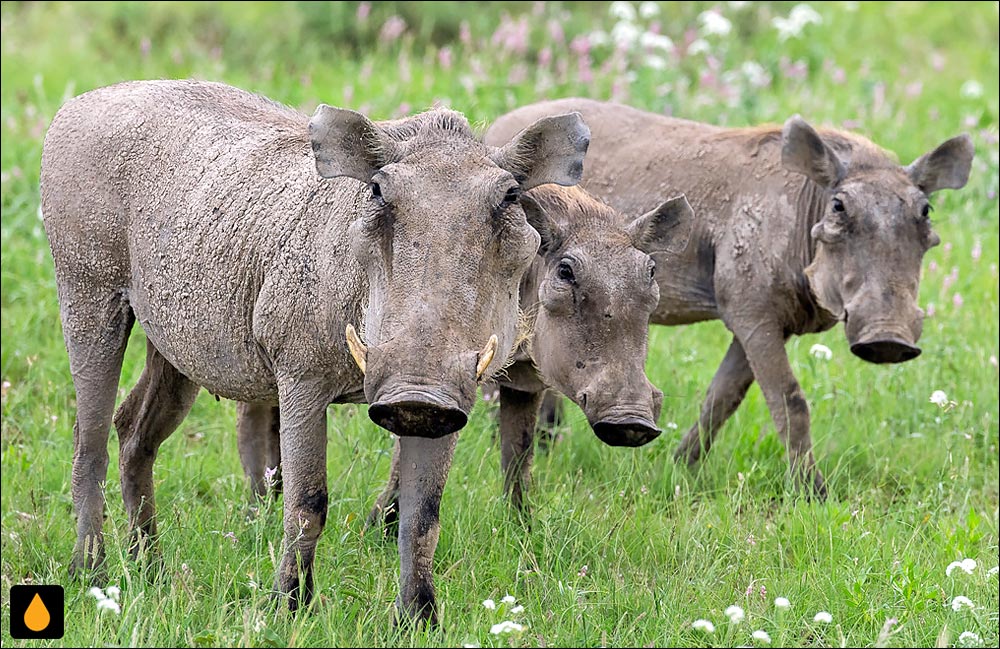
(416, 413)
(887, 350)
(626, 431)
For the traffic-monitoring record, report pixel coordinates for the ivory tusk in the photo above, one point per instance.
(486, 356)
(358, 349)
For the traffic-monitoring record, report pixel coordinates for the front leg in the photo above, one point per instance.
(764, 345)
(385, 514)
(303, 452)
(725, 394)
(257, 437)
(423, 470)
(518, 415)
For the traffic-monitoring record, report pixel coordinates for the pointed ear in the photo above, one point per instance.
(549, 151)
(545, 225)
(668, 227)
(346, 143)
(803, 151)
(946, 167)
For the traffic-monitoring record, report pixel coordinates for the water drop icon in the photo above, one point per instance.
(37, 616)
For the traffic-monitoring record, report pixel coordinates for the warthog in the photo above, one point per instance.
(246, 239)
(796, 230)
(587, 299)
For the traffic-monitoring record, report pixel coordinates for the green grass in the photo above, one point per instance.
(913, 487)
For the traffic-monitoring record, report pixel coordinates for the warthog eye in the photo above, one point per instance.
(838, 205)
(652, 269)
(377, 193)
(925, 211)
(511, 197)
(565, 273)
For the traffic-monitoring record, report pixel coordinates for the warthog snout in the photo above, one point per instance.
(885, 341)
(409, 398)
(626, 431)
(418, 413)
(885, 350)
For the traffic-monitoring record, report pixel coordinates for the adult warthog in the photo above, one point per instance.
(246, 239)
(796, 230)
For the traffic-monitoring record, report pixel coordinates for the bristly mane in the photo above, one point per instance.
(859, 152)
(428, 125)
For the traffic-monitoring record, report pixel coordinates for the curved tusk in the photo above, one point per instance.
(486, 356)
(358, 349)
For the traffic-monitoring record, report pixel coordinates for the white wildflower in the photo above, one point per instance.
(672, 425)
(714, 24)
(109, 605)
(655, 62)
(649, 9)
(761, 636)
(823, 617)
(992, 571)
(625, 34)
(622, 11)
(782, 602)
(755, 74)
(968, 565)
(96, 593)
(969, 639)
(735, 614)
(737, 4)
(703, 625)
(960, 602)
(652, 41)
(792, 26)
(971, 89)
(821, 352)
(599, 38)
(114, 592)
(939, 398)
(699, 46)
(490, 604)
(507, 626)
(517, 609)
(508, 599)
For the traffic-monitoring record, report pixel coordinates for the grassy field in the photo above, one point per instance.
(625, 548)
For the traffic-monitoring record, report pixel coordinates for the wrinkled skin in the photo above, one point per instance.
(796, 230)
(587, 299)
(245, 237)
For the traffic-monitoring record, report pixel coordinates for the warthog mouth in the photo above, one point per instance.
(418, 413)
(626, 431)
(886, 350)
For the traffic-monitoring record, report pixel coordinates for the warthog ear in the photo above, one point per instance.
(549, 151)
(666, 228)
(545, 225)
(946, 167)
(347, 143)
(804, 151)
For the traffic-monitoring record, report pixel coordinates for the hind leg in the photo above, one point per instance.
(257, 435)
(96, 336)
(150, 413)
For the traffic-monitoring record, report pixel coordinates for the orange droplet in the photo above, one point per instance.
(37, 616)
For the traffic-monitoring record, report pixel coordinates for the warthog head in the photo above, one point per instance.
(444, 242)
(596, 290)
(873, 234)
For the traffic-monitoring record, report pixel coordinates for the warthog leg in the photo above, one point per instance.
(385, 514)
(724, 396)
(257, 427)
(150, 414)
(765, 349)
(423, 470)
(518, 415)
(96, 337)
(303, 452)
